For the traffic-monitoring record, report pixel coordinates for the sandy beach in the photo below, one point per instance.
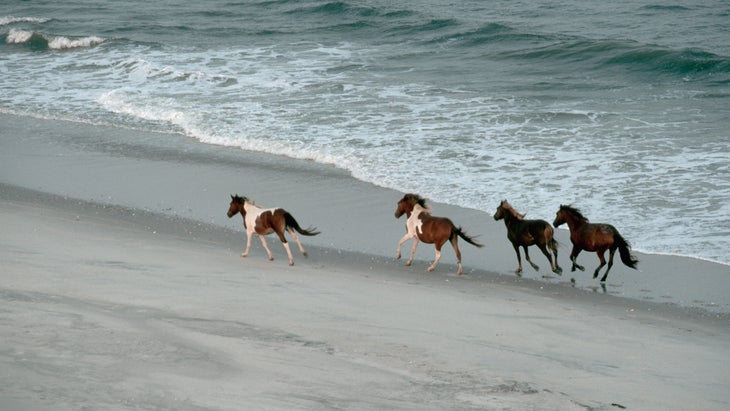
(123, 288)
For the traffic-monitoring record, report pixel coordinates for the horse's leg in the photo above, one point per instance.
(436, 258)
(413, 250)
(280, 233)
(527, 257)
(266, 247)
(400, 243)
(516, 246)
(299, 243)
(601, 257)
(556, 268)
(288, 253)
(455, 244)
(249, 236)
(574, 257)
(610, 264)
(545, 251)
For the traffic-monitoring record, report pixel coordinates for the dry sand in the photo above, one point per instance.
(123, 288)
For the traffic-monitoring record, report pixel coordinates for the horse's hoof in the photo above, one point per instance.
(244, 255)
(291, 263)
(518, 271)
(305, 255)
(408, 263)
(429, 269)
(558, 271)
(271, 258)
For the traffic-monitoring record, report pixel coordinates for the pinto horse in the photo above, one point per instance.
(266, 221)
(521, 232)
(421, 226)
(593, 237)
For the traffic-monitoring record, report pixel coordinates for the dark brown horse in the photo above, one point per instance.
(521, 232)
(594, 237)
(421, 226)
(266, 221)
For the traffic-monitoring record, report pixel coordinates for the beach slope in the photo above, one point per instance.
(108, 307)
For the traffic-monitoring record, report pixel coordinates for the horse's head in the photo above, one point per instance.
(561, 216)
(406, 204)
(505, 210)
(570, 215)
(499, 214)
(236, 205)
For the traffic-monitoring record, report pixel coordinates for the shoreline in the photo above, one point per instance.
(232, 240)
(177, 176)
(236, 155)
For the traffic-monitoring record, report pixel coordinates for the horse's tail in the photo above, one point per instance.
(458, 231)
(624, 249)
(549, 233)
(292, 223)
(553, 244)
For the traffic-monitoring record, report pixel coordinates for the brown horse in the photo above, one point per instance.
(421, 226)
(266, 221)
(594, 237)
(524, 233)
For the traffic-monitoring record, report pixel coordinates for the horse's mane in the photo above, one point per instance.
(507, 206)
(415, 198)
(574, 211)
(240, 200)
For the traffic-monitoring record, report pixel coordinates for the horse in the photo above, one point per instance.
(422, 226)
(594, 237)
(266, 221)
(521, 232)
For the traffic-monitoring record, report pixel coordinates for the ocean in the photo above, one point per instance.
(621, 109)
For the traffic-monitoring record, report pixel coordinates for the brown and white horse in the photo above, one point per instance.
(522, 232)
(597, 237)
(421, 226)
(266, 221)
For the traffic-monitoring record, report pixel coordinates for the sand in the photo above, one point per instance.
(123, 287)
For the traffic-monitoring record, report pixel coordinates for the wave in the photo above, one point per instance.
(336, 8)
(688, 61)
(420, 28)
(41, 41)
(8, 20)
(339, 10)
(665, 8)
(600, 54)
(493, 34)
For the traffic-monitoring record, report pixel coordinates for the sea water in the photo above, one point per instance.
(621, 108)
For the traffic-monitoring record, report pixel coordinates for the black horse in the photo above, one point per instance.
(525, 233)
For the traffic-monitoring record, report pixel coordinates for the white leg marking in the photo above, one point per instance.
(413, 250)
(266, 247)
(288, 252)
(436, 261)
(249, 235)
(296, 238)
